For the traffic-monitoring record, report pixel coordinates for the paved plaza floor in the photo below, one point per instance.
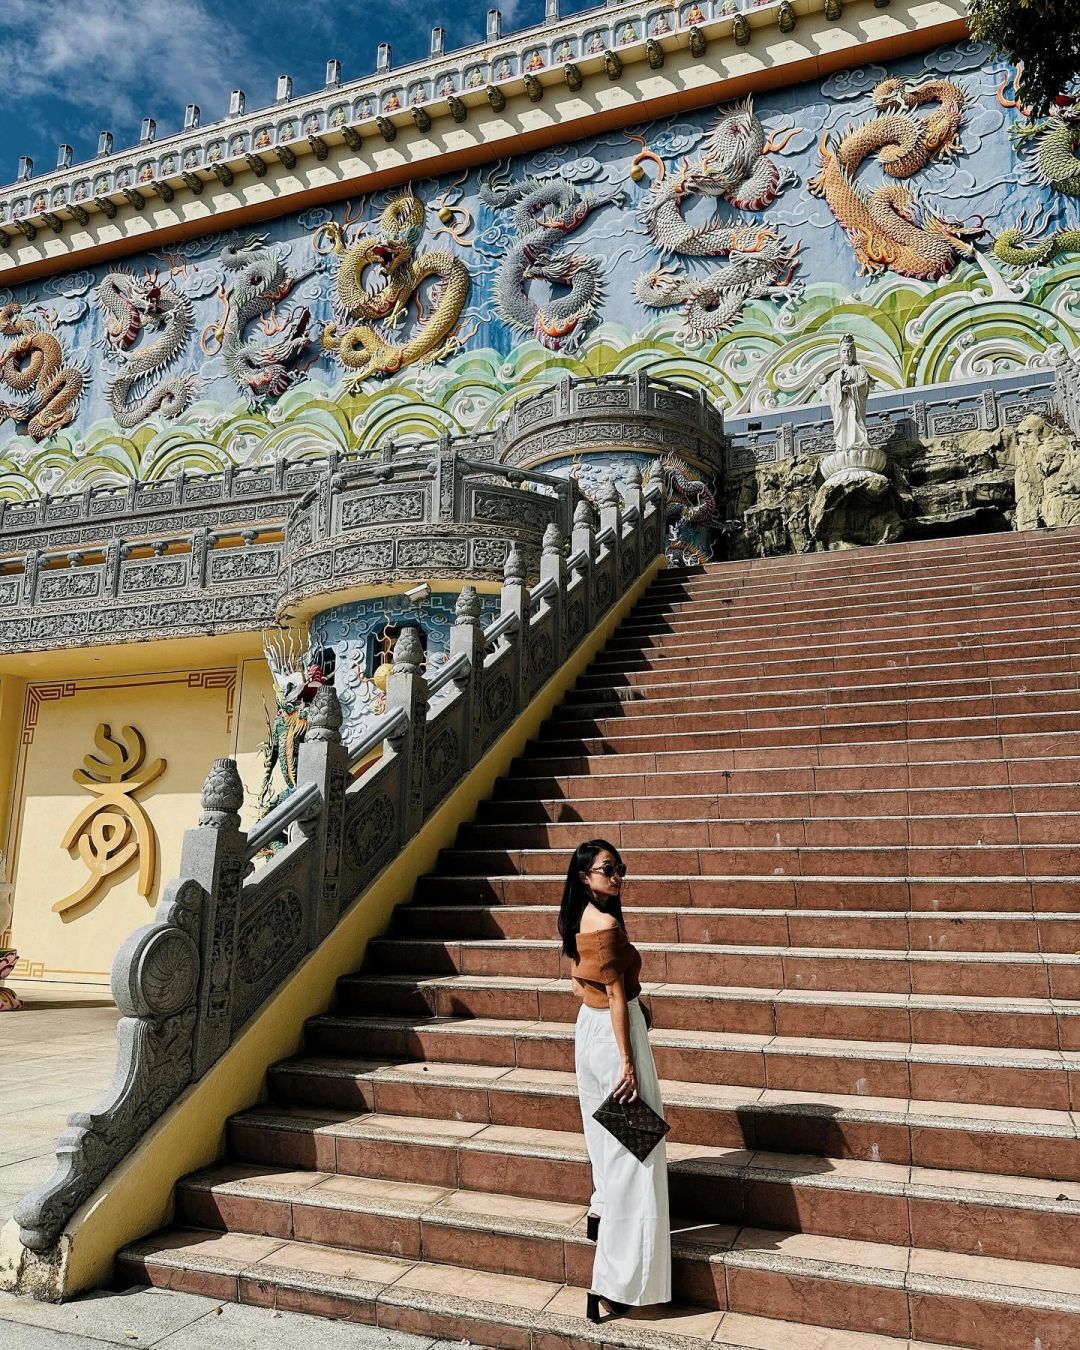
(141, 1318)
(60, 1050)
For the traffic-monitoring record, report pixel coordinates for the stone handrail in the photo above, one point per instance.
(223, 938)
(1067, 388)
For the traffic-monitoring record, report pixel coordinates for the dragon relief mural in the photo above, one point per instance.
(260, 281)
(367, 349)
(36, 364)
(544, 214)
(889, 226)
(915, 207)
(736, 167)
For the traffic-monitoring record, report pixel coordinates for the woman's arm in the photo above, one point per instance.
(626, 1087)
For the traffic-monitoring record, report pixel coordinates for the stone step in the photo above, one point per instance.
(1012, 1141)
(1010, 646)
(828, 860)
(671, 733)
(552, 759)
(821, 676)
(1027, 799)
(952, 898)
(808, 709)
(822, 1283)
(666, 595)
(750, 643)
(1039, 596)
(926, 1019)
(988, 1076)
(690, 695)
(781, 831)
(828, 965)
(677, 944)
(968, 552)
(841, 723)
(1051, 618)
(817, 778)
(969, 1213)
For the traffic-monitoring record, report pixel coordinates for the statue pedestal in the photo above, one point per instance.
(854, 507)
(863, 459)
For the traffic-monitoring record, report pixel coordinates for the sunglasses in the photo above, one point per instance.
(611, 870)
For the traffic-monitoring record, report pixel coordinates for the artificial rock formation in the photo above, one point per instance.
(1024, 477)
(1047, 476)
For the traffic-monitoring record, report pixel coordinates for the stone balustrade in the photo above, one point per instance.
(224, 936)
(243, 548)
(613, 412)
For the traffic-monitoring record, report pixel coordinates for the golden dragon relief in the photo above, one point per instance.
(367, 348)
(889, 227)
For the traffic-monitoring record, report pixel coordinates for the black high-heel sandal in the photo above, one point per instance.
(592, 1227)
(592, 1307)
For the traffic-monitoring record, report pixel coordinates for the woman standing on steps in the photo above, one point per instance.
(628, 1216)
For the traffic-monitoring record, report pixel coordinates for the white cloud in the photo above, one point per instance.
(125, 61)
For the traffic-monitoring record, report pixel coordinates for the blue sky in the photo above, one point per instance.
(76, 67)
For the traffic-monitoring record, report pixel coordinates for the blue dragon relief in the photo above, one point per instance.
(544, 213)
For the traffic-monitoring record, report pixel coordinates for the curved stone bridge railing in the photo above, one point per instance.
(225, 936)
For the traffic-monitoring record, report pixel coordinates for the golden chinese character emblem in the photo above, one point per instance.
(113, 828)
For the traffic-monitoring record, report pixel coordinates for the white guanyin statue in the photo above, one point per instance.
(846, 391)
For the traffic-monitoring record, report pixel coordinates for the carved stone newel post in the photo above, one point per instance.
(406, 688)
(214, 855)
(583, 541)
(325, 761)
(515, 600)
(467, 639)
(553, 567)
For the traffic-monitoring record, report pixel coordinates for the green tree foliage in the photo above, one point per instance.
(1042, 35)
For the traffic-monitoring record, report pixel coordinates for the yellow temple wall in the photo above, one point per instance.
(187, 716)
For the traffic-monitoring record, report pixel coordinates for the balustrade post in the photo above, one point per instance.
(406, 688)
(214, 856)
(633, 501)
(31, 567)
(583, 541)
(611, 519)
(467, 639)
(553, 567)
(515, 600)
(325, 761)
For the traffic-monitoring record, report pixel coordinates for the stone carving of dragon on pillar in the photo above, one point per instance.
(130, 305)
(544, 213)
(261, 281)
(889, 227)
(35, 364)
(738, 168)
(367, 348)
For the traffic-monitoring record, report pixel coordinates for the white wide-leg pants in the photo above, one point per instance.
(633, 1254)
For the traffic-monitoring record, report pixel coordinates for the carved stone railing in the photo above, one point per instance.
(626, 412)
(411, 516)
(225, 935)
(238, 550)
(1067, 389)
(917, 413)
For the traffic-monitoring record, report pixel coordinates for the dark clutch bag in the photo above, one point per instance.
(634, 1124)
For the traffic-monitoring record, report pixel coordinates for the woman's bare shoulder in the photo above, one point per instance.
(594, 920)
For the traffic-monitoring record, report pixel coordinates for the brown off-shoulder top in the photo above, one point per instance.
(603, 955)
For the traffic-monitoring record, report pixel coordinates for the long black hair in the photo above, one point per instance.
(576, 895)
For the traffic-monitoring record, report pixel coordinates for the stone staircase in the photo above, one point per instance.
(847, 788)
